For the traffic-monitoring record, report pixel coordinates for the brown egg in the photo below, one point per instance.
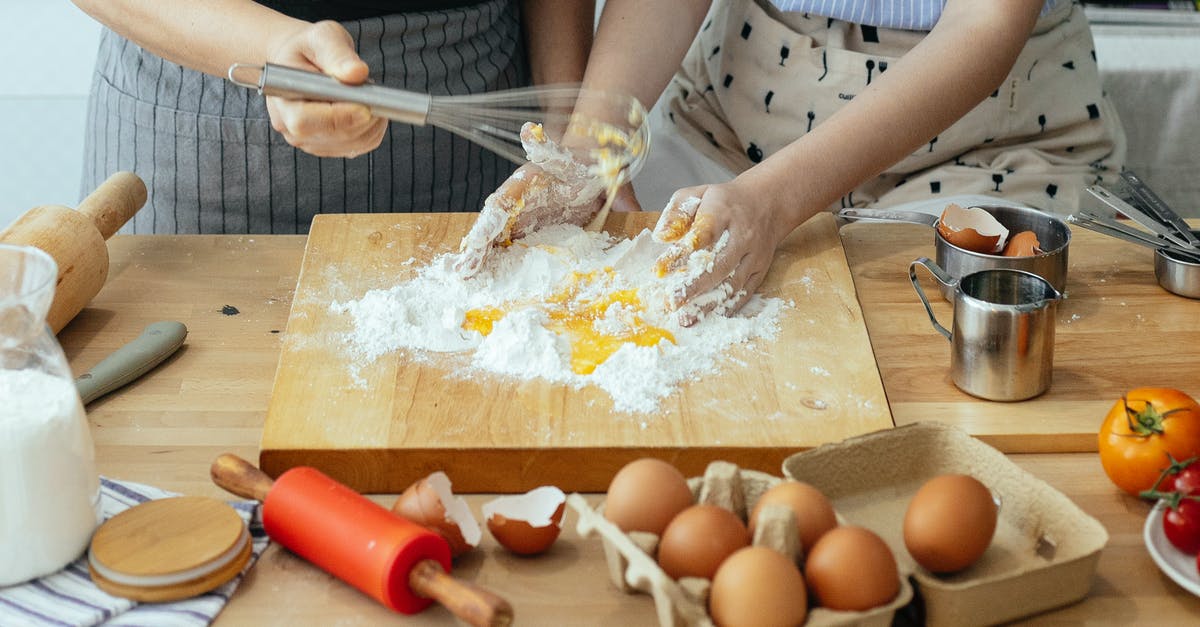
(851, 569)
(430, 503)
(1023, 244)
(757, 587)
(699, 539)
(645, 495)
(949, 523)
(814, 513)
(972, 229)
(526, 524)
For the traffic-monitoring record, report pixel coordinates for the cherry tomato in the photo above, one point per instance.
(1143, 431)
(1181, 524)
(1186, 481)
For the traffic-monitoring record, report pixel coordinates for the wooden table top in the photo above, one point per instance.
(211, 397)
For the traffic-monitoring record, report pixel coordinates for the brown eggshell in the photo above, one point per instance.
(757, 587)
(1023, 244)
(526, 524)
(949, 523)
(645, 495)
(851, 569)
(430, 503)
(972, 229)
(814, 512)
(699, 539)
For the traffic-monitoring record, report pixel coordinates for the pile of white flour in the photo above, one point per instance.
(426, 314)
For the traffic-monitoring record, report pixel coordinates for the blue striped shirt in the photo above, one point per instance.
(899, 14)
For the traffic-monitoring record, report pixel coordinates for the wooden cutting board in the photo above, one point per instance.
(379, 426)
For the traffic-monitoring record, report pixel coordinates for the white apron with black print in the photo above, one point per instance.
(755, 80)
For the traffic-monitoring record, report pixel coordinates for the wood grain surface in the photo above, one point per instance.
(166, 428)
(380, 426)
(1115, 331)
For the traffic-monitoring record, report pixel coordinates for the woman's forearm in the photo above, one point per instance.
(640, 43)
(208, 36)
(962, 60)
(558, 35)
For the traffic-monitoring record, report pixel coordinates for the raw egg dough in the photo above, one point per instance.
(573, 312)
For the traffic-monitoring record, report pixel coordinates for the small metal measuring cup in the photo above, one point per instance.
(1054, 237)
(1002, 343)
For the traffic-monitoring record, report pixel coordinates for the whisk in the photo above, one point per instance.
(606, 132)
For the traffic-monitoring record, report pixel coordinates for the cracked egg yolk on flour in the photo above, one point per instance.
(574, 312)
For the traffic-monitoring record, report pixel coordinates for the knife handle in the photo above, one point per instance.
(157, 342)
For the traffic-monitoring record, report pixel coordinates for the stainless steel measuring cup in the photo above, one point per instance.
(1002, 343)
(1053, 234)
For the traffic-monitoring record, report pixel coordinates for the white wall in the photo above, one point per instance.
(48, 48)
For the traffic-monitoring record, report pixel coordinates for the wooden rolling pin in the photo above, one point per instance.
(76, 240)
(398, 562)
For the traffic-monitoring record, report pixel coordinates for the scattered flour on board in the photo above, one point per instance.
(522, 284)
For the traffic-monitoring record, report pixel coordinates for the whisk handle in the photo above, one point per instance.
(285, 82)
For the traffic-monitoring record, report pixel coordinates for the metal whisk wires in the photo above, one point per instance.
(606, 132)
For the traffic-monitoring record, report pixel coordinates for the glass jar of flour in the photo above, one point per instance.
(49, 489)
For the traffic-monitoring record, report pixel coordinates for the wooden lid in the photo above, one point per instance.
(169, 549)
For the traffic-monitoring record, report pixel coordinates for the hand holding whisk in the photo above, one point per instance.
(577, 146)
(604, 131)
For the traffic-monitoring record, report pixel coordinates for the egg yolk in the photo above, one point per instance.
(573, 314)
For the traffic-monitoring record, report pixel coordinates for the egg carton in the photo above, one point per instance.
(1044, 551)
(684, 602)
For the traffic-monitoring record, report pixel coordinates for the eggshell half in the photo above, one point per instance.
(430, 503)
(1023, 244)
(972, 229)
(526, 524)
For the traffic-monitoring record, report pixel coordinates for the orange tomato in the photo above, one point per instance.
(1143, 431)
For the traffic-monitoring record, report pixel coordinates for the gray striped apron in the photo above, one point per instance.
(213, 164)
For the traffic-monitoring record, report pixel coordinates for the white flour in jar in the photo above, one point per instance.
(49, 489)
(523, 286)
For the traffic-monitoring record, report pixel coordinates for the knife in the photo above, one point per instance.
(1157, 206)
(157, 342)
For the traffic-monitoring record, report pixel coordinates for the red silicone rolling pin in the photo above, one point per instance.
(396, 561)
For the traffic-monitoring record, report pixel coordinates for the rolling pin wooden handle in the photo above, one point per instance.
(471, 603)
(114, 202)
(240, 477)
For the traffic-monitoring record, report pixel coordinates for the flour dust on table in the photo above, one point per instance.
(565, 305)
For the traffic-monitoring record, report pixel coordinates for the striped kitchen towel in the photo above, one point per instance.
(68, 598)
